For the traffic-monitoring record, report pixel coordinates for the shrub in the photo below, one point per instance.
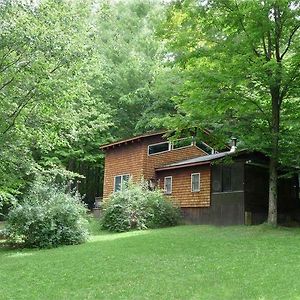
(136, 207)
(48, 217)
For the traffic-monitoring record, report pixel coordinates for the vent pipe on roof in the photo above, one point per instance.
(233, 144)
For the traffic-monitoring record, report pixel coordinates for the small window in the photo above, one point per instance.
(158, 148)
(120, 182)
(195, 182)
(206, 148)
(182, 143)
(168, 185)
(226, 179)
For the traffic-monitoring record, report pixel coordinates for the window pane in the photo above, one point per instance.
(216, 178)
(195, 182)
(182, 143)
(158, 148)
(168, 185)
(237, 177)
(206, 148)
(226, 178)
(118, 180)
(125, 178)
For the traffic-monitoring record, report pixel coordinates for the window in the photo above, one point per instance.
(181, 143)
(120, 181)
(195, 182)
(227, 178)
(168, 185)
(206, 148)
(158, 148)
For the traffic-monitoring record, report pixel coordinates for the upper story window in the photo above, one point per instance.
(168, 185)
(120, 181)
(195, 182)
(182, 143)
(178, 144)
(206, 148)
(158, 148)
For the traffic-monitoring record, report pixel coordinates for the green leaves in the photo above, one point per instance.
(232, 54)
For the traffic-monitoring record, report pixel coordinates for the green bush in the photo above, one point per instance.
(136, 207)
(48, 217)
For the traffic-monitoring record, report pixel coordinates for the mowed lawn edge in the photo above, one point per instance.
(184, 262)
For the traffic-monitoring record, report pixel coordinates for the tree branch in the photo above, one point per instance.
(21, 106)
(244, 29)
(286, 88)
(16, 114)
(261, 110)
(290, 40)
(277, 32)
(7, 83)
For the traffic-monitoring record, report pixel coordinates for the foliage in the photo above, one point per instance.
(130, 79)
(47, 217)
(241, 67)
(47, 112)
(72, 73)
(136, 207)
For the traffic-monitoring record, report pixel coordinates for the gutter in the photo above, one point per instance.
(182, 166)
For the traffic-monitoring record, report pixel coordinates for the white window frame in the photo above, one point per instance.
(198, 190)
(120, 175)
(182, 147)
(213, 151)
(165, 186)
(169, 148)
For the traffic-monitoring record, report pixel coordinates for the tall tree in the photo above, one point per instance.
(241, 62)
(45, 98)
(125, 39)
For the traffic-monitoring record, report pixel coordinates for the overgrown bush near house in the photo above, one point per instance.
(48, 217)
(136, 207)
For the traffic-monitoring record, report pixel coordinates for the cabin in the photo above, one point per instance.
(223, 188)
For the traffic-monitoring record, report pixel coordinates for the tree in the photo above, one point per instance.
(241, 62)
(45, 96)
(130, 78)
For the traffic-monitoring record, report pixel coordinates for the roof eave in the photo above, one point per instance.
(183, 166)
(130, 140)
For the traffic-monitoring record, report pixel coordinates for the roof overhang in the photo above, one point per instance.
(182, 166)
(130, 140)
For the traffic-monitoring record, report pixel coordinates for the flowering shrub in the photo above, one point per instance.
(136, 207)
(48, 217)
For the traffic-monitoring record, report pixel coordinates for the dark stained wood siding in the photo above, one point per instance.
(225, 209)
(256, 193)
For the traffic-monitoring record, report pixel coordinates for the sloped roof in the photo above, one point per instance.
(131, 140)
(200, 160)
(139, 137)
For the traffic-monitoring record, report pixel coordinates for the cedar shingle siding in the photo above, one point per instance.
(181, 188)
(133, 159)
(228, 194)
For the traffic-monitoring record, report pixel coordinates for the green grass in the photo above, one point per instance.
(186, 262)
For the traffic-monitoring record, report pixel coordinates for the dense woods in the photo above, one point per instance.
(75, 75)
(78, 74)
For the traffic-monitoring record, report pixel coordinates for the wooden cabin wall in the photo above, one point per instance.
(288, 199)
(227, 200)
(256, 193)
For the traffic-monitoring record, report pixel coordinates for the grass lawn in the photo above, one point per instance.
(186, 262)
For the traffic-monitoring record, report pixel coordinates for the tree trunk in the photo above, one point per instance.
(273, 182)
(273, 175)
